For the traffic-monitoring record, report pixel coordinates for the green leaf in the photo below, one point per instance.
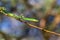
(30, 19)
(10, 14)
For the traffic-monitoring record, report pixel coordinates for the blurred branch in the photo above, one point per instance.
(48, 11)
(34, 25)
(5, 36)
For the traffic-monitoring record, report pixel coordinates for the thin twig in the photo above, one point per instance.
(34, 26)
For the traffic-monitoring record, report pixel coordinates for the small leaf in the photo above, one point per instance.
(11, 14)
(30, 19)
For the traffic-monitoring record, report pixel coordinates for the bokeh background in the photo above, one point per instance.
(46, 11)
